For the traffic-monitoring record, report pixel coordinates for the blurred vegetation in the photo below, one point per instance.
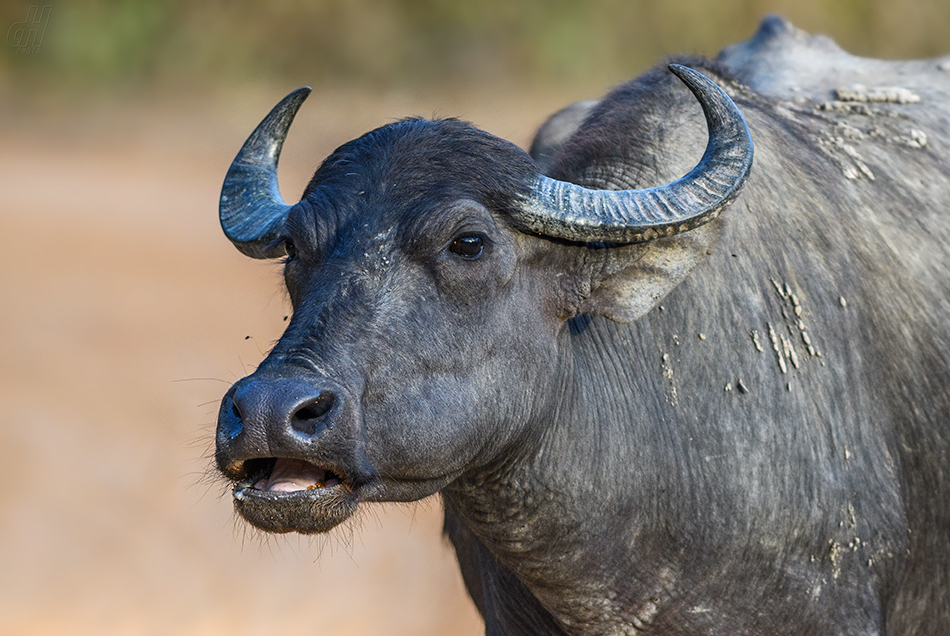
(103, 44)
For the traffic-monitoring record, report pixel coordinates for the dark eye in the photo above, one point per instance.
(469, 247)
(290, 249)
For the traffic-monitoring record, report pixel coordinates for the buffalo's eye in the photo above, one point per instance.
(469, 246)
(290, 249)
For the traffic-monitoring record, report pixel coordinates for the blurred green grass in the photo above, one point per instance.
(101, 45)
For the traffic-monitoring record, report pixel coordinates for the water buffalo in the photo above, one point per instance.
(641, 414)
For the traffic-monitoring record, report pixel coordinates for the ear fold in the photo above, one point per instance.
(627, 282)
(555, 132)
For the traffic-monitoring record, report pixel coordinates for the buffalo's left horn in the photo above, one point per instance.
(251, 208)
(563, 210)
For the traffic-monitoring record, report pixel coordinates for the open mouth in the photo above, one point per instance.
(282, 475)
(281, 494)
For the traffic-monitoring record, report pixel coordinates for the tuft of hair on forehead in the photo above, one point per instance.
(414, 160)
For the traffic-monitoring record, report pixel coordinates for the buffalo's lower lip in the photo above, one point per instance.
(244, 491)
(292, 495)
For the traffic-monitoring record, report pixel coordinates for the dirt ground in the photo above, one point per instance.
(125, 315)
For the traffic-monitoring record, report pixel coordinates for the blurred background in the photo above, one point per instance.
(125, 314)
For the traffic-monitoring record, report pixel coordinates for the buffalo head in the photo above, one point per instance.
(432, 269)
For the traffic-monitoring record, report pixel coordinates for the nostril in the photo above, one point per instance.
(230, 422)
(308, 418)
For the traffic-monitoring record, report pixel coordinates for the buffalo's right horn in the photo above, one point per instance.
(567, 211)
(251, 208)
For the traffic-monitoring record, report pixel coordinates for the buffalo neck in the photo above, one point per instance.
(592, 467)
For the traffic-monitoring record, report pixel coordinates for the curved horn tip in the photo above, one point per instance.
(297, 97)
(679, 70)
(297, 94)
(274, 126)
(691, 77)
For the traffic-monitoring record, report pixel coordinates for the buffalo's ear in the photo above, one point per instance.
(555, 132)
(625, 282)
